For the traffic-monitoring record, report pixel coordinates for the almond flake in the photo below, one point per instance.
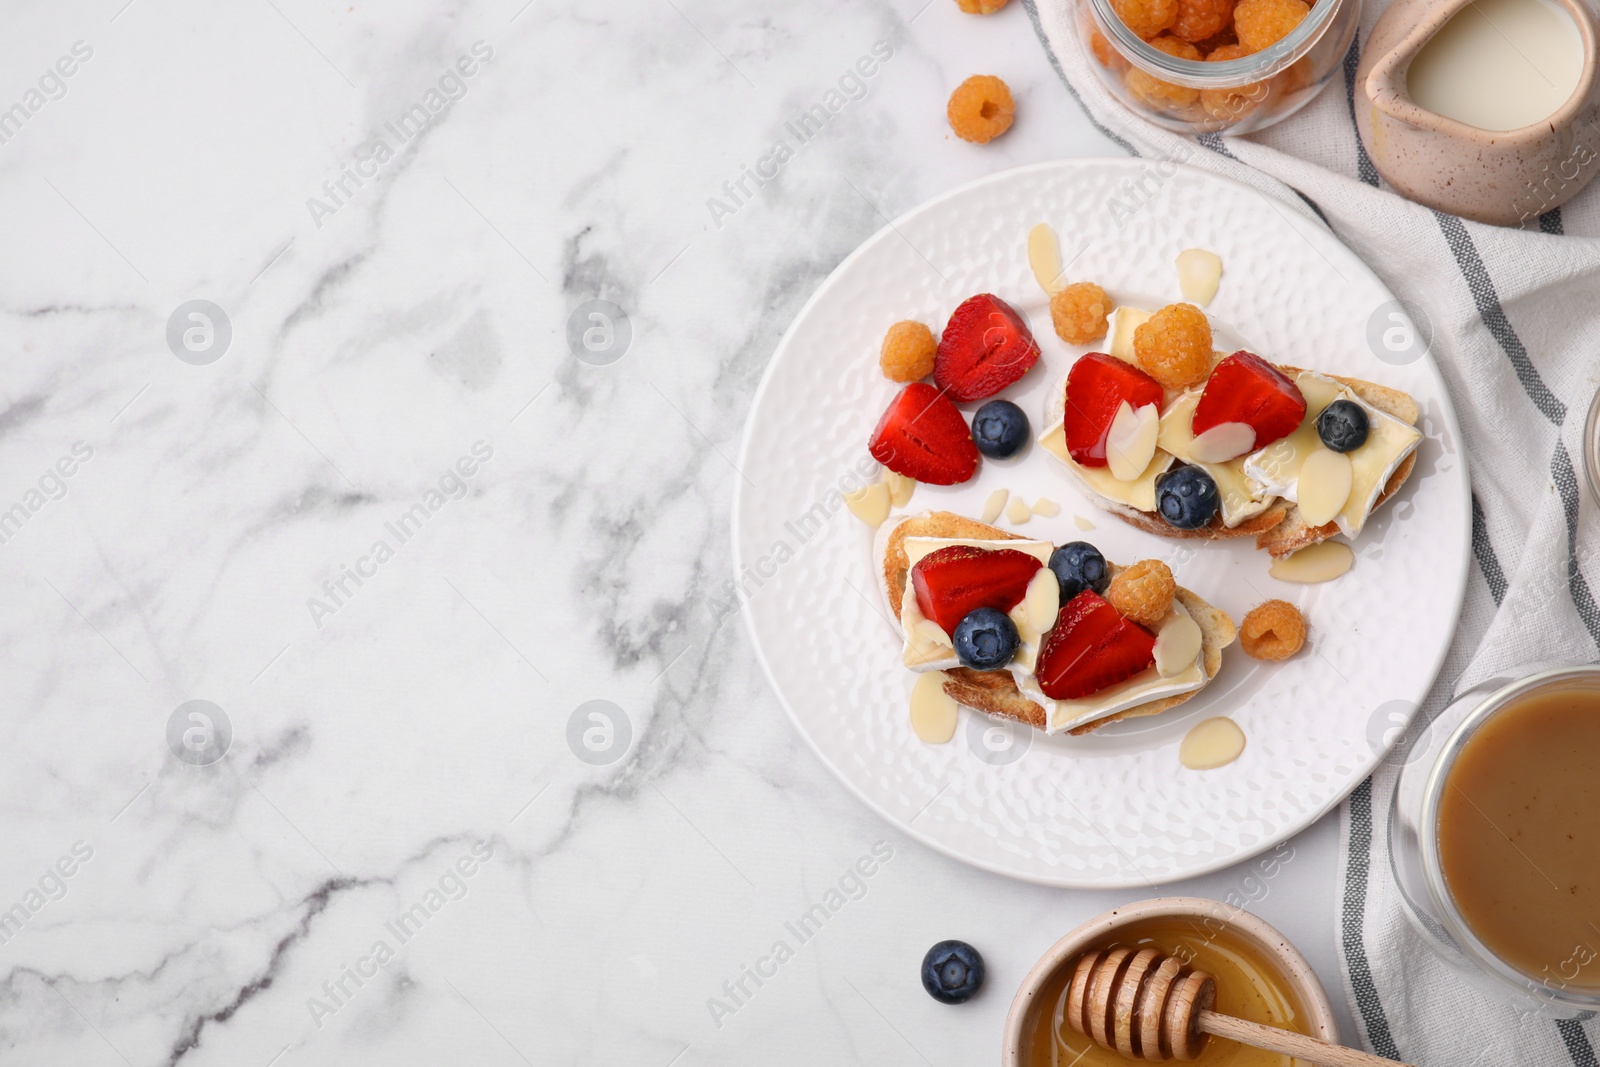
(1322, 562)
(1325, 480)
(1177, 645)
(870, 504)
(1199, 273)
(1039, 607)
(994, 505)
(1044, 257)
(1131, 441)
(900, 488)
(1225, 441)
(933, 712)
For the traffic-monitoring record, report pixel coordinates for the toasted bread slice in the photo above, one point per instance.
(994, 692)
(1279, 529)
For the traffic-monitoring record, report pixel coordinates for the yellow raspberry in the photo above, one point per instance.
(1262, 23)
(980, 7)
(1294, 79)
(1199, 20)
(1224, 52)
(1230, 105)
(908, 351)
(1143, 592)
(1174, 346)
(1274, 630)
(1079, 313)
(1104, 54)
(981, 109)
(1159, 94)
(1146, 17)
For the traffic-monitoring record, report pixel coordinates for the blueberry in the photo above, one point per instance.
(952, 972)
(999, 429)
(1342, 426)
(1078, 566)
(1187, 497)
(985, 639)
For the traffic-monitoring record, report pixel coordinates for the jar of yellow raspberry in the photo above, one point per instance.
(1204, 66)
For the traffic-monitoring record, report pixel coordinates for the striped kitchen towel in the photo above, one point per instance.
(1515, 331)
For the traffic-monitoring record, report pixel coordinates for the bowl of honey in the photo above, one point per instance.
(1259, 976)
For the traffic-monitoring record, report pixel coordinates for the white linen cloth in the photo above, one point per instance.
(1515, 317)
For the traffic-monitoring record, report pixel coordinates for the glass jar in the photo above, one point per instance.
(1240, 95)
(1425, 758)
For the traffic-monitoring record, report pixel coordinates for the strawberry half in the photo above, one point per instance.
(985, 347)
(923, 436)
(1246, 388)
(1090, 648)
(959, 579)
(1097, 385)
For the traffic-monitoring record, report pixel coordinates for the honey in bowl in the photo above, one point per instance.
(1249, 985)
(1519, 836)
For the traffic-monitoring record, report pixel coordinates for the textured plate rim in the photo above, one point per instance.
(1363, 770)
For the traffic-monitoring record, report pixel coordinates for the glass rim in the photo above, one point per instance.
(1433, 869)
(1228, 74)
(1591, 446)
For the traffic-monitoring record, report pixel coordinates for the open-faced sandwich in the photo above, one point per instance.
(1055, 637)
(1183, 441)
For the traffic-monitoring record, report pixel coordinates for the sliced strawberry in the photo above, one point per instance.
(1090, 648)
(985, 347)
(1246, 388)
(923, 436)
(1097, 385)
(961, 578)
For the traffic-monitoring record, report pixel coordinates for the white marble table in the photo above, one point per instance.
(396, 533)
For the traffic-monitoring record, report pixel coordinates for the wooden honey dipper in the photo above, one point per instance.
(1148, 1006)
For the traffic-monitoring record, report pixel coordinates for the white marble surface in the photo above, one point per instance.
(378, 740)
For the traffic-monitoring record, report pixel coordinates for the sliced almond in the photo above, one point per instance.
(900, 487)
(1044, 257)
(1082, 523)
(1131, 441)
(1225, 441)
(1039, 607)
(869, 504)
(1177, 645)
(1046, 507)
(1018, 511)
(1211, 744)
(994, 505)
(1199, 273)
(933, 712)
(1322, 562)
(1124, 320)
(1325, 480)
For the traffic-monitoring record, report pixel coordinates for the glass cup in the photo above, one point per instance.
(1240, 95)
(1427, 759)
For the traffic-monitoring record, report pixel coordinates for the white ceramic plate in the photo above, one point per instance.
(1114, 808)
